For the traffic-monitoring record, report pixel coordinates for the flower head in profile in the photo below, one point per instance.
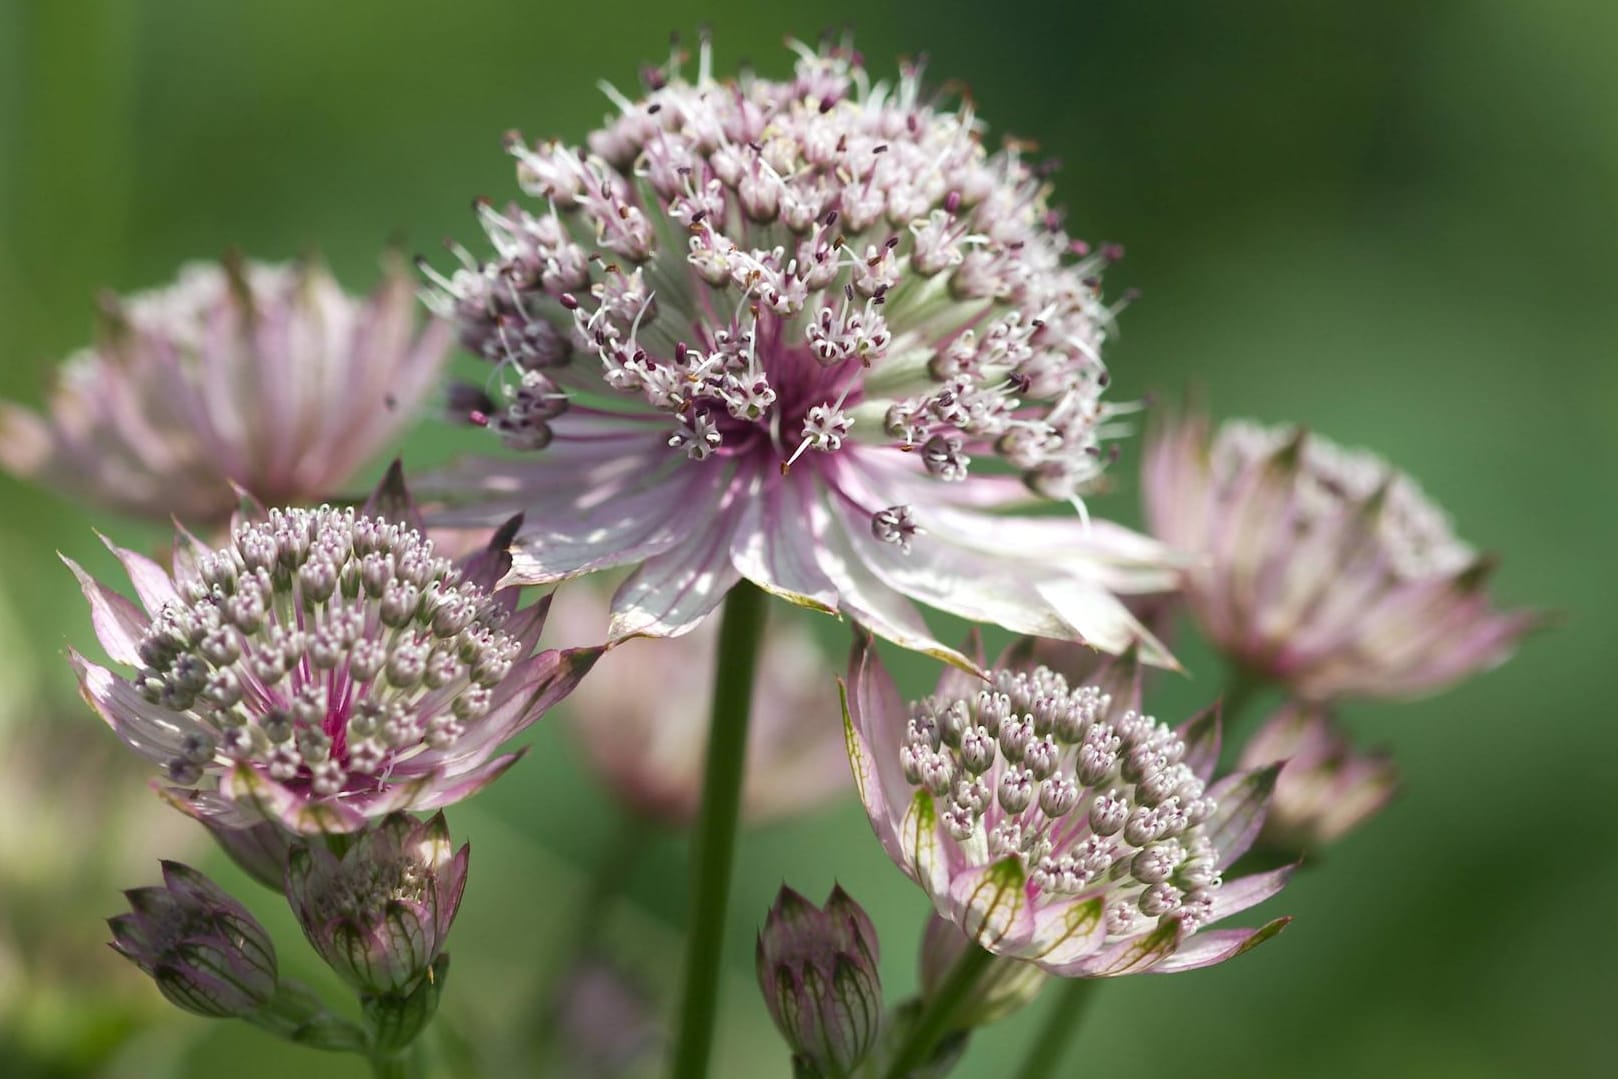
(380, 914)
(206, 953)
(1326, 788)
(1057, 824)
(808, 333)
(1321, 568)
(322, 669)
(267, 377)
(642, 717)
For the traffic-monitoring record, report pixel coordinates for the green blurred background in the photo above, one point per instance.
(1395, 222)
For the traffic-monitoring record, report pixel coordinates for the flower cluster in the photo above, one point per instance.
(270, 378)
(810, 333)
(763, 330)
(323, 669)
(1057, 824)
(1320, 567)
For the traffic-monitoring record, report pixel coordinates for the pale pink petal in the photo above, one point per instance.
(1217, 945)
(119, 625)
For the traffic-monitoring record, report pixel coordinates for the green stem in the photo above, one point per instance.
(1061, 1022)
(398, 1066)
(741, 631)
(937, 1015)
(1242, 684)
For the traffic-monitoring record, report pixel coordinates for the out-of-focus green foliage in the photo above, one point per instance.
(1394, 222)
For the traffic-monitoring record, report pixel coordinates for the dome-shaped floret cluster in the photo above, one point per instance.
(322, 668)
(778, 268)
(1030, 769)
(1059, 824)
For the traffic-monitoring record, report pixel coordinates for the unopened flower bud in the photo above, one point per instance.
(817, 969)
(380, 914)
(206, 953)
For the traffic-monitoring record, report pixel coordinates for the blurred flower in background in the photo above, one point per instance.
(1056, 823)
(322, 670)
(1326, 788)
(642, 717)
(762, 329)
(270, 377)
(1321, 568)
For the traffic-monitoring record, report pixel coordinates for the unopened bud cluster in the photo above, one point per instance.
(380, 914)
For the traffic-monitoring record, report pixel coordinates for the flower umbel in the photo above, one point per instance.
(1057, 824)
(268, 377)
(809, 333)
(323, 669)
(817, 970)
(642, 718)
(1326, 788)
(206, 953)
(380, 915)
(1319, 567)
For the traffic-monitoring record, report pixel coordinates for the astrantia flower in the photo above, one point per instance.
(1056, 823)
(206, 953)
(1320, 567)
(269, 377)
(323, 669)
(642, 717)
(808, 333)
(380, 915)
(1326, 788)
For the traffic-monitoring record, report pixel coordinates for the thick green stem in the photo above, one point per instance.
(1061, 1023)
(741, 631)
(398, 1066)
(937, 1015)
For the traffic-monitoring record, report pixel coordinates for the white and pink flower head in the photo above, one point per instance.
(1321, 568)
(809, 333)
(1055, 823)
(322, 669)
(268, 378)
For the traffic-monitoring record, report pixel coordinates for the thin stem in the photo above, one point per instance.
(937, 1015)
(1061, 1023)
(1242, 684)
(741, 631)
